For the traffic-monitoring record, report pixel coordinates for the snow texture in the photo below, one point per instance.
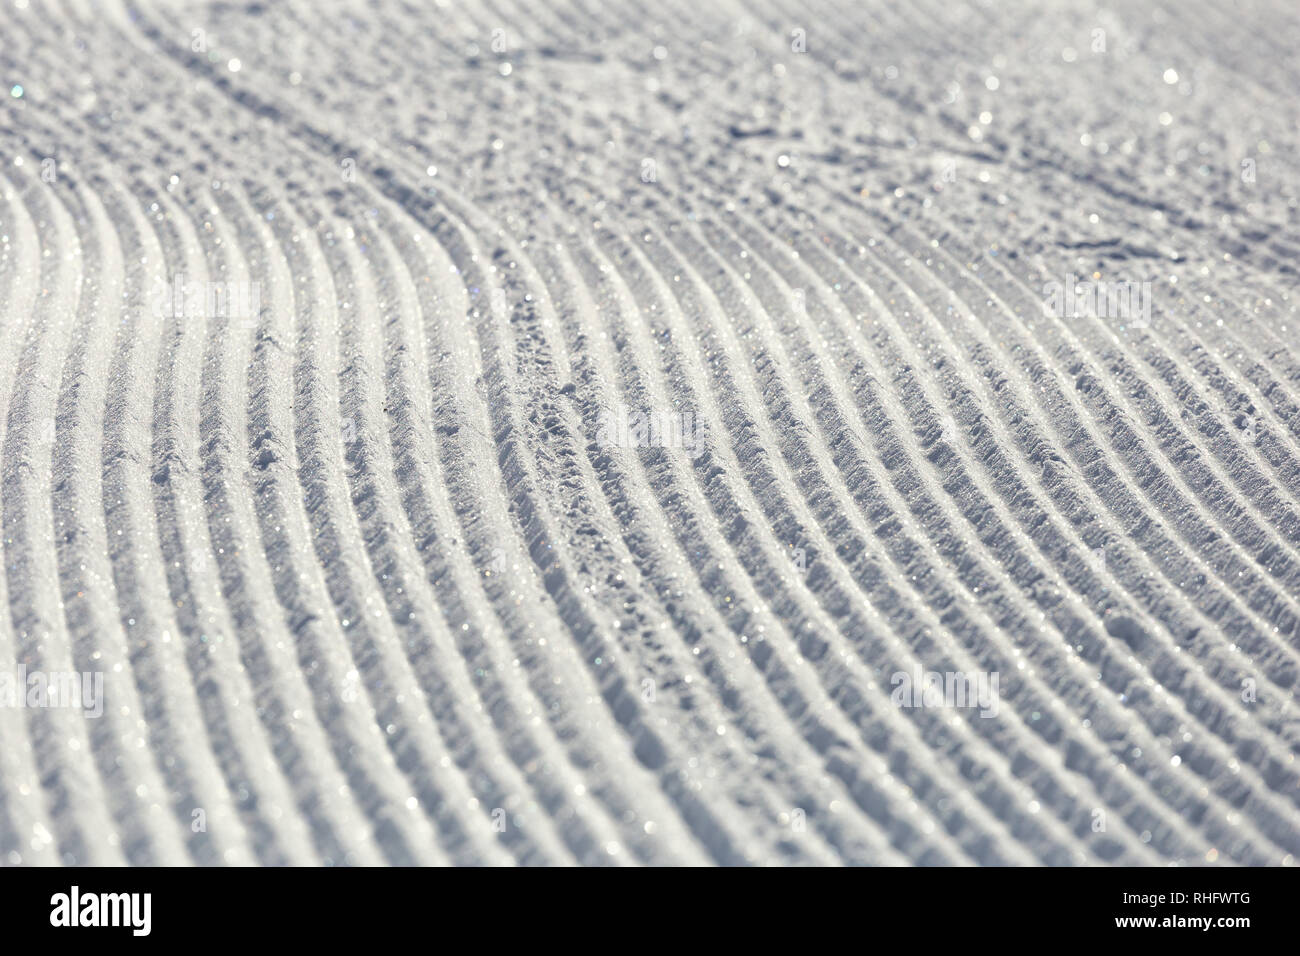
(571, 432)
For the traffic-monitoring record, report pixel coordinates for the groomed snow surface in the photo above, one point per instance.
(575, 432)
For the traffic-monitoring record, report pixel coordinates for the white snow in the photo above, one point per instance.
(493, 433)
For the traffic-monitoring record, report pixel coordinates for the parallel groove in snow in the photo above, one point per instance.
(365, 585)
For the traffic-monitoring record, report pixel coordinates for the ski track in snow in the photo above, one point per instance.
(367, 581)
